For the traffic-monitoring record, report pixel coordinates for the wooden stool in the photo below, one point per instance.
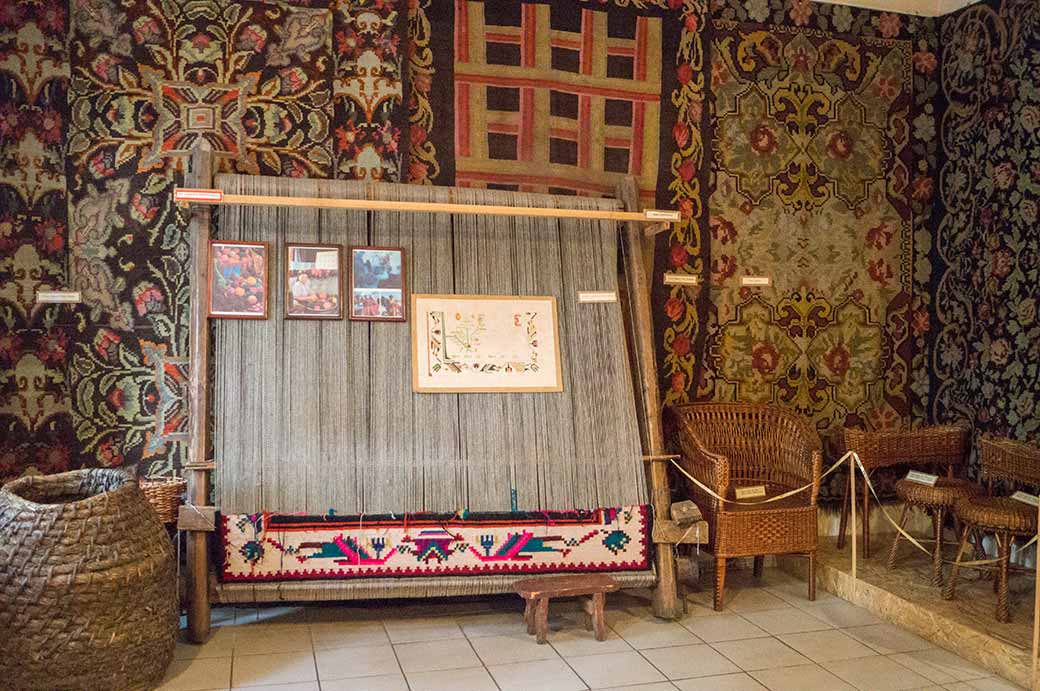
(538, 591)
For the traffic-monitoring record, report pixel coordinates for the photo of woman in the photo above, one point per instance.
(377, 283)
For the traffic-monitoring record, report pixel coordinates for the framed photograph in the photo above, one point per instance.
(313, 281)
(238, 279)
(377, 281)
(485, 343)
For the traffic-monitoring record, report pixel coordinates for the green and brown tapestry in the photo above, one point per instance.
(986, 360)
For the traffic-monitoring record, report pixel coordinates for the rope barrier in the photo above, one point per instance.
(854, 462)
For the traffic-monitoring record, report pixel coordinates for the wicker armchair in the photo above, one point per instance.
(730, 445)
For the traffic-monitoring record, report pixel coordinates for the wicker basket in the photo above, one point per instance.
(87, 584)
(165, 494)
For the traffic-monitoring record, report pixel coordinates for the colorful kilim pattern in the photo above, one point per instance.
(563, 101)
(987, 345)
(283, 547)
(823, 159)
(35, 425)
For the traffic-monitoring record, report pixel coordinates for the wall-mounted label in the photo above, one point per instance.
(922, 478)
(188, 194)
(753, 492)
(51, 296)
(1026, 498)
(756, 281)
(660, 215)
(681, 279)
(597, 296)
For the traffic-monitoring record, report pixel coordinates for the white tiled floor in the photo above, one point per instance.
(769, 637)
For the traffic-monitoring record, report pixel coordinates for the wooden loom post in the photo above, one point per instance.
(200, 174)
(1036, 618)
(665, 599)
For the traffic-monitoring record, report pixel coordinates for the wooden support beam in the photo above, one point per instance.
(671, 533)
(192, 517)
(666, 595)
(200, 174)
(655, 216)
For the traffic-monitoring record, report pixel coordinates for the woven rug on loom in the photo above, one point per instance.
(264, 546)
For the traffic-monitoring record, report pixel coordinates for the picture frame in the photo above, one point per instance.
(238, 284)
(378, 284)
(485, 344)
(313, 280)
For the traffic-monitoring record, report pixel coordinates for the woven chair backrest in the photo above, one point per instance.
(935, 445)
(1006, 459)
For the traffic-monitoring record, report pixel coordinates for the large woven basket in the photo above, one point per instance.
(87, 584)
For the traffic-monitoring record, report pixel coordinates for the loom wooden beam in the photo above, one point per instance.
(671, 533)
(201, 196)
(666, 595)
(197, 518)
(200, 174)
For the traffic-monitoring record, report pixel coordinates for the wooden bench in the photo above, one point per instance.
(538, 591)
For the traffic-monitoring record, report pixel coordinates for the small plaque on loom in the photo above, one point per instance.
(922, 478)
(1026, 498)
(597, 296)
(754, 492)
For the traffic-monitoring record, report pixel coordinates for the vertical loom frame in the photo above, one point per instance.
(200, 175)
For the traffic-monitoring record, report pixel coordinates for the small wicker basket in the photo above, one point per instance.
(165, 494)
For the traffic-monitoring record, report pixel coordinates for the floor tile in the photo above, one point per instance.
(987, 684)
(431, 656)
(275, 638)
(750, 600)
(503, 650)
(797, 594)
(197, 675)
(643, 630)
(423, 629)
(940, 666)
(724, 627)
(800, 678)
(573, 642)
(298, 686)
(273, 668)
(384, 682)
(842, 614)
(683, 662)
(343, 634)
(827, 645)
(877, 673)
(544, 675)
(356, 661)
(470, 679)
(657, 686)
(726, 682)
(760, 653)
(221, 643)
(787, 620)
(491, 624)
(616, 669)
(888, 639)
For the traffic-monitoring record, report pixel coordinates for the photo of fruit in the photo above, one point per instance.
(313, 281)
(238, 280)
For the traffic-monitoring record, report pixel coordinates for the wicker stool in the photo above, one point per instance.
(1006, 518)
(937, 501)
(945, 446)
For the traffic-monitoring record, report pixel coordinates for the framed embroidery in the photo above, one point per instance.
(485, 343)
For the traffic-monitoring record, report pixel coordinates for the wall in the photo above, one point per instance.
(868, 319)
(986, 360)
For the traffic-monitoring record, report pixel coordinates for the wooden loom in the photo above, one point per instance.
(310, 196)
